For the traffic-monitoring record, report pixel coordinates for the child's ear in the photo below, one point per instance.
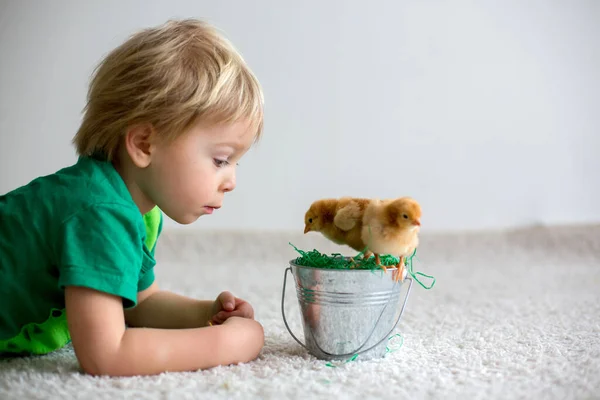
(139, 142)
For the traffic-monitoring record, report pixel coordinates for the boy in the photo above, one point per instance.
(169, 114)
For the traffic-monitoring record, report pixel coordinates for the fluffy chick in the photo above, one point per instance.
(339, 220)
(392, 227)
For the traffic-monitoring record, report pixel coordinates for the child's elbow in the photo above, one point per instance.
(115, 369)
(93, 367)
(102, 364)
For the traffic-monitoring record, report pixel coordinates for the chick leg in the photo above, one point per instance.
(378, 263)
(400, 270)
(353, 263)
(367, 255)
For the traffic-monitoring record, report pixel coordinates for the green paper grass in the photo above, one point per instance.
(316, 259)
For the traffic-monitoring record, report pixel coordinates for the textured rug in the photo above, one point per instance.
(513, 314)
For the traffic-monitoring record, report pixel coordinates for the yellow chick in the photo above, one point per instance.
(339, 220)
(392, 227)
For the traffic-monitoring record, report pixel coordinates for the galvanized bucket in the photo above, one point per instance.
(346, 312)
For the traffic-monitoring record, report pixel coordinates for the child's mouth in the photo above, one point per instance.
(209, 209)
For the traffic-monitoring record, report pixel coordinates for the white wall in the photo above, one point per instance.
(486, 112)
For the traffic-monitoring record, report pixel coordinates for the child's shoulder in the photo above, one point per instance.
(85, 185)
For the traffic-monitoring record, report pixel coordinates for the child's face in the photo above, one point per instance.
(189, 177)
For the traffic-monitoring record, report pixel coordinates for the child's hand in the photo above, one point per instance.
(227, 305)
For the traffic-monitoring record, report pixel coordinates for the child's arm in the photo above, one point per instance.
(163, 309)
(104, 347)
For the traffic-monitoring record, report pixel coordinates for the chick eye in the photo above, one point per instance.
(404, 216)
(310, 220)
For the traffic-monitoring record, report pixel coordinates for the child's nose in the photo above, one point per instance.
(229, 183)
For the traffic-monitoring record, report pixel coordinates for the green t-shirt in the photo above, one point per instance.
(78, 226)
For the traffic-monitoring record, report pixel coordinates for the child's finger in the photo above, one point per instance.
(227, 301)
(246, 309)
(235, 313)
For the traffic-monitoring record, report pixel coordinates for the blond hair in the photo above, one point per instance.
(171, 76)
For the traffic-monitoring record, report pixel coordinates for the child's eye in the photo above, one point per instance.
(220, 163)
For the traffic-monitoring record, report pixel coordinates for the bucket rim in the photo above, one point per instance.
(293, 264)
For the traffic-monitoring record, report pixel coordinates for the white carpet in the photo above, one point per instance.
(512, 315)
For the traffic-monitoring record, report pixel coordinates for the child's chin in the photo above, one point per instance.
(187, 219)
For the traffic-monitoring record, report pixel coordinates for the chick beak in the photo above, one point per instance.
(306, 229)
(417, 222)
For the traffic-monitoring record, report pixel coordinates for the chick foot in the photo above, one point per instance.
(365, 257)
(378, 263)
(399, 270)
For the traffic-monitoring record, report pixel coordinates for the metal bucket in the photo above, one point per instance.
(346, 312)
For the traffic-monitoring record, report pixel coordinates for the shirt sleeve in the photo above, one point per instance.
(101, 248)
(146, 281)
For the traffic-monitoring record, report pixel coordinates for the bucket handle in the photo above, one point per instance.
(289, 269)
